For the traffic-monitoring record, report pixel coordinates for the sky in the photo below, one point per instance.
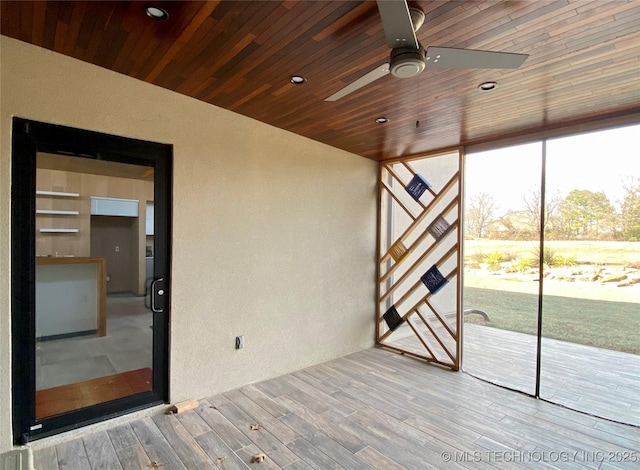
(598, 161)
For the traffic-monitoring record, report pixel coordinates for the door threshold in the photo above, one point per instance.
(109, 423)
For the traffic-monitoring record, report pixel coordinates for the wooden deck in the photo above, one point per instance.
(598, 381)
(372, 409)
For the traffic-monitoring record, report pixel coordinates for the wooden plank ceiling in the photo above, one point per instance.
(583, 64)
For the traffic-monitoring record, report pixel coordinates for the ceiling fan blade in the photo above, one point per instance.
(450, 58)
(397, 24)
(372, 76)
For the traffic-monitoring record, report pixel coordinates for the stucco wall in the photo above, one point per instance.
(273, 234)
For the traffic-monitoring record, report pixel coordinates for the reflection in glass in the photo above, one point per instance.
(590, 270)
(94, 256)
(501, 274)
(591, 302)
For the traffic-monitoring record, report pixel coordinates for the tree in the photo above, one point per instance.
(532, 205)
(479, 214)
(630, 210)
(587, 214)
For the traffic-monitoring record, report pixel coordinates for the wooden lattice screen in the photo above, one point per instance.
(419, 303)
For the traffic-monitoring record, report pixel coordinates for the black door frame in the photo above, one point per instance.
(29, 137)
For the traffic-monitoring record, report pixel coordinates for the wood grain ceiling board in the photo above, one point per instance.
(91, 166)
(583, 63)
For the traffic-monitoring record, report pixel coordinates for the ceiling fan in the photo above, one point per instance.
(409, 59)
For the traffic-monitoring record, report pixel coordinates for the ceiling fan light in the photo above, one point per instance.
(406, 62)
(487, 86)
(382, 120)
(407, 68)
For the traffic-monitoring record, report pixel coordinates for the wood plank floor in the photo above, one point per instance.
(57, 400)
(372, 409)
(594, 380)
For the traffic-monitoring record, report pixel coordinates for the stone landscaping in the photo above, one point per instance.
(618, 275)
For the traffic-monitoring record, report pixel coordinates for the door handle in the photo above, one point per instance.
(156, 292)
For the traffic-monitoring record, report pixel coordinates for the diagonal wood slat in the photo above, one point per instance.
(413, 172)
(441, 319)
(452, 181)
(437, 342)
(398, 200)
(410, 271)
(449, 277)
(419, 283)
(402, 183)
(421, 338)
(436, 336)
(421, 238)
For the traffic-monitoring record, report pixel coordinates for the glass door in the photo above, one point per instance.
(581, 278)
(501, 272)
(94, 336)
(591, 301)
(95, 225)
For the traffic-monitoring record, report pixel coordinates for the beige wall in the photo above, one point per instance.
(273, 234)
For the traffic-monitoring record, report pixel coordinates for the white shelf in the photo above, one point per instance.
(56, 193)
(55, 212)
(58, 230)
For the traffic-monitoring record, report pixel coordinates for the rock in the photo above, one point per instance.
(614, 278)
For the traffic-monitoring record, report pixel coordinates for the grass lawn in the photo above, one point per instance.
(587, 252)
(600, 323)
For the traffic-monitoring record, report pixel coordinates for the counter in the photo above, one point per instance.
(71, 296)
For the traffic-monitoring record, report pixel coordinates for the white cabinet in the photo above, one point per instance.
(66, 297)
(114, 206)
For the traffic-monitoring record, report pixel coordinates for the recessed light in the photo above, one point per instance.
(487, 86)
(382, 120)
(156, 13)
(297, 79)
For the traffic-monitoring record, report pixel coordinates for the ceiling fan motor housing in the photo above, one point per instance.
(406, 62)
